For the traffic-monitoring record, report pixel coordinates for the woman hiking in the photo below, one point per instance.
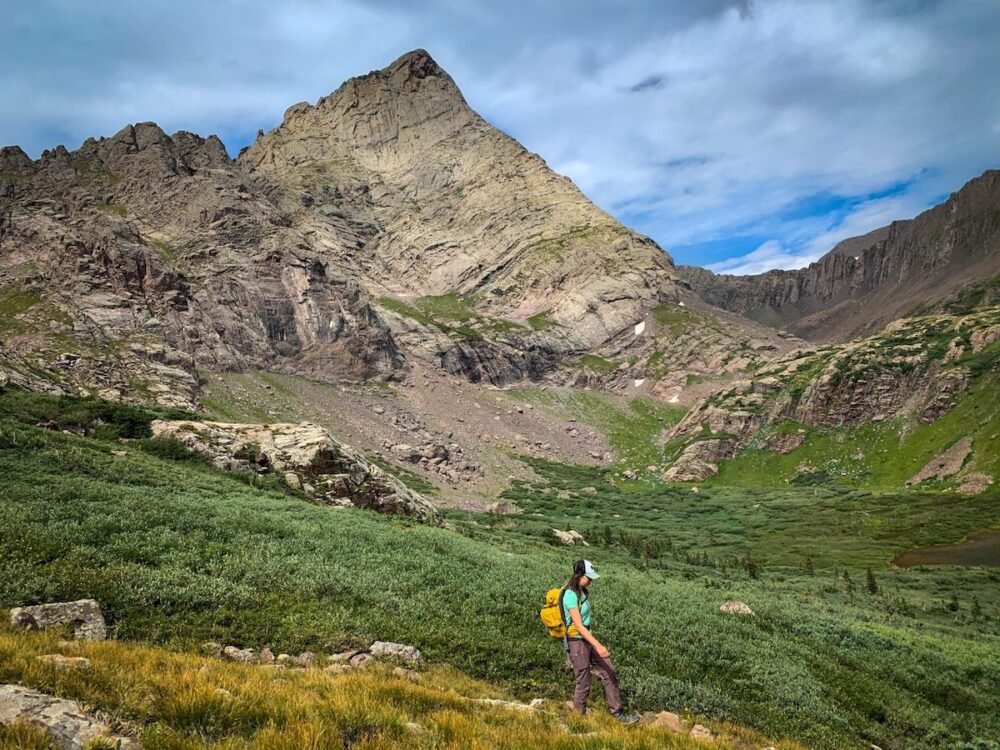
(586, 653)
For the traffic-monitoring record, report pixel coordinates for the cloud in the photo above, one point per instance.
(649, 82)
(768, 256)
(695, 121)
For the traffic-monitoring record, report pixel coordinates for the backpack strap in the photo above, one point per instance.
(562, 612)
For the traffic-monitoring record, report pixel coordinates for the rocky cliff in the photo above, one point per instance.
(386, 222)
(912, 373)
(868, 281)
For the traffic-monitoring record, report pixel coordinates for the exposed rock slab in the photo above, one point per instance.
(69, 725)
(326, 468)
(946, 464)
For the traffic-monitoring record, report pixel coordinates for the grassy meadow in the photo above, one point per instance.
(181, 701)
(178, 552)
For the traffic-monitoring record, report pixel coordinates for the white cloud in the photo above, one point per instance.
(768, 256)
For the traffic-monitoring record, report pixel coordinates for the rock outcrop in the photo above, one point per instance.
(945, 465)
(699, 460)
(67, 723)
(865, 282)
(307, 456)
(918, 367)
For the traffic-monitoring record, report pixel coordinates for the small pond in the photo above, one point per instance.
(980, 549)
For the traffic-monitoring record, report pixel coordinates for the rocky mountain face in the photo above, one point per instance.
(914, 371)
(129, 263)
(387, 222)
(866, 282)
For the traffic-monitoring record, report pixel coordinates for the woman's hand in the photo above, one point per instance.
(601, 651)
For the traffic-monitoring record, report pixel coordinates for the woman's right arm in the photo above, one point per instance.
(574, 616)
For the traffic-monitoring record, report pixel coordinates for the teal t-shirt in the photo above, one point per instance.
(571, 601)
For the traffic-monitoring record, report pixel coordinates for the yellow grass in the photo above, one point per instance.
(176, 701)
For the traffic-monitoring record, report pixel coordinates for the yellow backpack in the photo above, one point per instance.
(552, 617)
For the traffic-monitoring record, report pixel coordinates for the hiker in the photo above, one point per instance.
(586, 653)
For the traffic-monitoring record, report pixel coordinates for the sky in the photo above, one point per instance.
(741, 135)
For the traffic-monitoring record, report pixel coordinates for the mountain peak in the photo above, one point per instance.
(417, 62)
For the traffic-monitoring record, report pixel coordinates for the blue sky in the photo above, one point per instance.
(739, 135)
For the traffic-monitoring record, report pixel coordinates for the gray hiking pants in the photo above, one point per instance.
(583, 659)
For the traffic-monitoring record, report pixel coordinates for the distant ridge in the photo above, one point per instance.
(866, 282)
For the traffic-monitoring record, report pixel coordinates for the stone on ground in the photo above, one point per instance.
(397, 650)
(84, 615)
(736, 608)
(65, 721)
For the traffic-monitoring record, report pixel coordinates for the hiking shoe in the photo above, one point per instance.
(625, 718)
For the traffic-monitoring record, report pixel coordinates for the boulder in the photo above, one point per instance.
(699, 732)
(84, 615)
(669, 720)
(243, 655)
(533, 705)
(305, 659)
(570, 537)
(736, 608)
(360, 661)
(344, 656)
(66, 722)
(396, 650)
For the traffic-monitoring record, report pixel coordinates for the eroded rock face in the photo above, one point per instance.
(322, 466)
(699, 461)
(470, 210)
(84, 615)
(917, 367)
(65, 721)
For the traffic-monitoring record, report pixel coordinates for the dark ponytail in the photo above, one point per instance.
(573, 584)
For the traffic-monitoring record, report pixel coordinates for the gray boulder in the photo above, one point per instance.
(66, 722)
(84, 615)
(397, 650)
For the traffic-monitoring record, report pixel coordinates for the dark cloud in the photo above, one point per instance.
(654, 81)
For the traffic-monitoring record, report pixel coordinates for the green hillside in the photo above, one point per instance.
(179, 552)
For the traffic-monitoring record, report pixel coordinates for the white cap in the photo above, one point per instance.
(588, 570)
